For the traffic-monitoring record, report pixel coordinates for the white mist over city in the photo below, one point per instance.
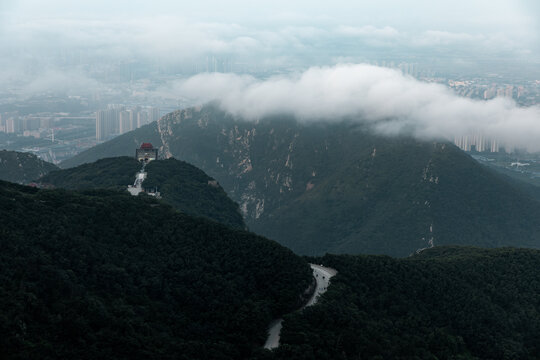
(467, 72)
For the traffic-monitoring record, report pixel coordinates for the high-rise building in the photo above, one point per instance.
(132, 119)
(30, 124)
(117, 120)
(153, 114)
(13, 125)
(476, 143)
(142, 118)
(124, 121)
(114, 119)
(101, 125)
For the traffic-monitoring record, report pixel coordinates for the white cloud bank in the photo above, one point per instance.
(387, 100)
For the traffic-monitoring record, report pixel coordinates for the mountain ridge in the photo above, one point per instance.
(321, 187)
(182, 185)
(22, 168)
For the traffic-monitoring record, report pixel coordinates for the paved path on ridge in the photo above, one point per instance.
(322, 276)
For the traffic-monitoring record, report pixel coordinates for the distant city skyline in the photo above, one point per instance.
(248, 54)
(87, 39)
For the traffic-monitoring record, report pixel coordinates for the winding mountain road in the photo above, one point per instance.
(322, 276)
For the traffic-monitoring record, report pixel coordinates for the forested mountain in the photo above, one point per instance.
(105, 275)
(181, 185)
(321, 187)
(191, 191)
(22, 168)
(108, 173)
(445, 303)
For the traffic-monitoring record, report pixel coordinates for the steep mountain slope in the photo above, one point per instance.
(334, 187)
(181, 185)
(445, 303)
(123, 145)
(105, 275)
(22, 168)
(191, 191)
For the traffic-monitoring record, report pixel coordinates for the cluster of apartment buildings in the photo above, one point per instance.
(477, 143)
(526, 94)
(12, 123)
(118, 119)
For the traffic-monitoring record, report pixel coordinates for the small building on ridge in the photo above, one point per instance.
(146, 153)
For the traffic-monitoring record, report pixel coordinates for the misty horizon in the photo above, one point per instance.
(83, 37)
(386, 64)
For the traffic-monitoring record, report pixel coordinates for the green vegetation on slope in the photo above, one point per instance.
(22, 168)
(445, 303)
(181, 185)
(104, 275)
(191, 191)
(335, 187)
(109, 173)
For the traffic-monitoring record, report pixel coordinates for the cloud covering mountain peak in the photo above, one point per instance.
(390, 102)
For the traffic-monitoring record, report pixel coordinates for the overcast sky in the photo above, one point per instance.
(278, 32)
(322, 43)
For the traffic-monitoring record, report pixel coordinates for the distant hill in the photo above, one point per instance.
(21, 167)
(105, 275)
(446, 303)
(320, 187)
(181, 185)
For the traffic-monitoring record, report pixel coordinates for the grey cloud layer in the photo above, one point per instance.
(175, 37)
(387, 100)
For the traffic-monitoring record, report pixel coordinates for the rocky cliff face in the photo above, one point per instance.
(334, 187)
(254, 161)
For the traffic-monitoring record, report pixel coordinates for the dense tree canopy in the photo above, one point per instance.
(104, 275)
(191, 191)
(181, 185)
(109, 173)
(445, 303)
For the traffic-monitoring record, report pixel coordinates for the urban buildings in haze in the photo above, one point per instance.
(117, 120)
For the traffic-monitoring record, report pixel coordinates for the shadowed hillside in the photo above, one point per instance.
(105, 275)
(446, 303)
(181, 185)
(22, 168)
(334, 187)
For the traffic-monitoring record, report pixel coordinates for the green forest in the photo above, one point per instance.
(108, 173)
(105, 275)
(191, 191)
(182, 185)
(444, 303)
(336, 187)
(88, 271)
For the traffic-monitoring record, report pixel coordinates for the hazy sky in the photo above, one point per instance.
(277, 32)
(56, 44)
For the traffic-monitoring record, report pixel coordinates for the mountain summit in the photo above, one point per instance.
(335, 187)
